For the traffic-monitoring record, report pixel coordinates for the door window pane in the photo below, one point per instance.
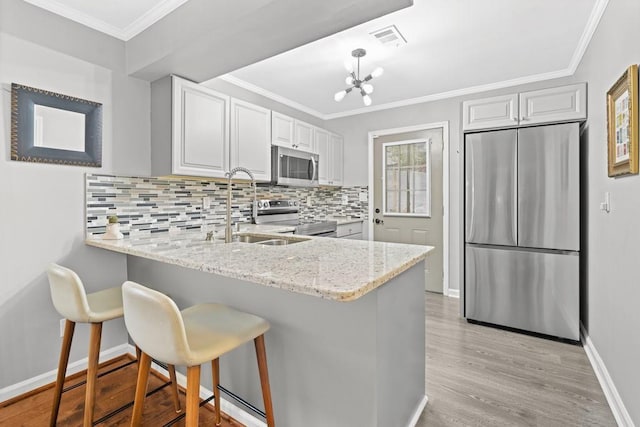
(406, 186)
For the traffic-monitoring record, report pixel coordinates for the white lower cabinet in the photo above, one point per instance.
(352, 230)
(251, 138)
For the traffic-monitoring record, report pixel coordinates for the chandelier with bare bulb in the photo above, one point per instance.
(355, 82)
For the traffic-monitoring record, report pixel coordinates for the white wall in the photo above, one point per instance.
(612, 287)
(42, 205)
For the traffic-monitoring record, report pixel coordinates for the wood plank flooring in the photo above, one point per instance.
(475, 376)
(483, 376)
(112, 391)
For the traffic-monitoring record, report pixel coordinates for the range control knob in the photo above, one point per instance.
(295, 203)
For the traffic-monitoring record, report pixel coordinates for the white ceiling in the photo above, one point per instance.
(122, 19)
(454, 48)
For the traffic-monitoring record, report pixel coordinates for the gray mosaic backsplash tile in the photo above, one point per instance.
(152, 205)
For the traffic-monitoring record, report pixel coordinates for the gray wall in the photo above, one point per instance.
(356, 128)
(612, 315)
(42, 214)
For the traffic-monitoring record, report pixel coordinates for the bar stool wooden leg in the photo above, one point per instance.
(141, 389)
(261, 355)
(174, 388)
(138, 353)
(215, 370)
(193, 396)
(69, 327)
(92, 373)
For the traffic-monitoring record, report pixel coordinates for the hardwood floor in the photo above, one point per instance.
(113, 391)
(475, 376)
(483, 376)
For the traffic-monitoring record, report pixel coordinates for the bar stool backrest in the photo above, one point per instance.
(68, 294)
(155, 324)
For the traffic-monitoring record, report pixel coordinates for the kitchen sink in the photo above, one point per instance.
(248, 238)
(268, 240)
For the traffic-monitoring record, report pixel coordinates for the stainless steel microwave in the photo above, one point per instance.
(293, 167)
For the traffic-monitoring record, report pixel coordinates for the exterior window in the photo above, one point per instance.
(406, 181)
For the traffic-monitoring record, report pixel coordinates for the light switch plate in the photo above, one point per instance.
(345, 199)
(363, 196)
(206, 202)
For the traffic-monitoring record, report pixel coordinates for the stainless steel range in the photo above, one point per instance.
(286, 212)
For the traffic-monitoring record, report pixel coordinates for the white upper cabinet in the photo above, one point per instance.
(331, 158)
(200, 130)
(281, 130)
(251, 138)
(303, 136)
(292, 133)
(554, 105)
(337, 147)
(498, 111)
(322, 145)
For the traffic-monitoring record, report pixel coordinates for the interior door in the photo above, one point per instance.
(407, 195)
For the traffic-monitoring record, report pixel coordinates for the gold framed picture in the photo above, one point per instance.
(622, 124)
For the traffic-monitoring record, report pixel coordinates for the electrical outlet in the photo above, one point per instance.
(62, 322)
(345, 199)
(363, 196)
(308, 200)
(206, 202)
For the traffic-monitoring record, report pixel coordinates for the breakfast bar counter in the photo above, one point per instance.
(347, 344)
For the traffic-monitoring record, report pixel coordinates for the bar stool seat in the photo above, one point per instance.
(76, 306)
(190, 337)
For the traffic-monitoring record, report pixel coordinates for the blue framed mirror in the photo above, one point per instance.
(49, 127)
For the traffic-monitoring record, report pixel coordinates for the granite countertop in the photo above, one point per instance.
(336, 269)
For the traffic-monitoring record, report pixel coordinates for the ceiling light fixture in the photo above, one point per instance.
(353, 79)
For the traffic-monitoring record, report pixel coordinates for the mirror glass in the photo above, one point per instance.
(55, 128)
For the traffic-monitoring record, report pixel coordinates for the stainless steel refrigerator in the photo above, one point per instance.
(522, 228)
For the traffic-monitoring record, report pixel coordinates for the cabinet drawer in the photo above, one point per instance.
(344, 230)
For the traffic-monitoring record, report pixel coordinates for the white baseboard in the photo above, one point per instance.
(453, 293)
(227, 407)
(416, 414)
(608, 387)
(17, 389)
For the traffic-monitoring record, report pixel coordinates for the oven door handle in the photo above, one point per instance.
(313, 166)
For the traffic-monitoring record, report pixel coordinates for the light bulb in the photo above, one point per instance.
(377, 72)
(348, 65)
(349, 80)
(367, 100)
(339, 96)
(367, 88)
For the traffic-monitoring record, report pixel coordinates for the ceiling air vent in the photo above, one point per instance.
(389, 36)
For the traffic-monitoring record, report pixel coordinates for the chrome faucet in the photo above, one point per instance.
(228, 233)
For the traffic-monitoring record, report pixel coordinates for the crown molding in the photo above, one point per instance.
(273, 96)
(592, 24)
(136, 27)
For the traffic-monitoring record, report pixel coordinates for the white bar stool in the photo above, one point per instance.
(190, 337)
(76, 306)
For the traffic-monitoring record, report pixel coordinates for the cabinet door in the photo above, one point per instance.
(337, 156)
(321, 137)
(554, 105)
(250, 138)
(200, 138)
(303, 137)
(281, 130)
(487, 113)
